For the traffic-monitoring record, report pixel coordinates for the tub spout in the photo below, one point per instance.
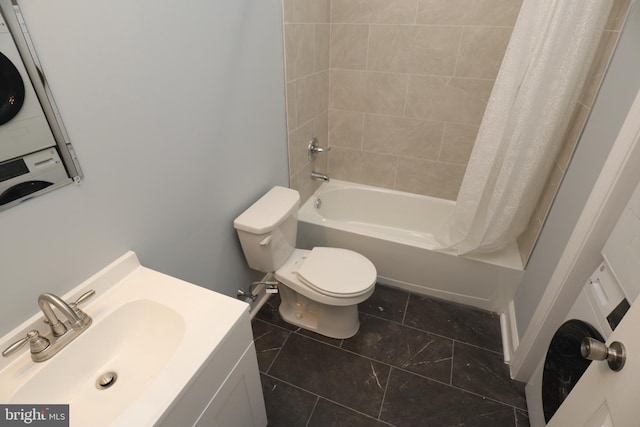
(319, 176)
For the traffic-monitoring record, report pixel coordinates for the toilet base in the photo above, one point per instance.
(332, 321)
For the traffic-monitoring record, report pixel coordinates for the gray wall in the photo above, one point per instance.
(618, 91)
(177, 115)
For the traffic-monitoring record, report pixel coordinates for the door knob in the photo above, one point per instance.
(615, 354)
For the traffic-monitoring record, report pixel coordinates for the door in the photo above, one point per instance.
(602, 397)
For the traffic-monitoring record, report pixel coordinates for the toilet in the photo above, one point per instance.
(321, 288)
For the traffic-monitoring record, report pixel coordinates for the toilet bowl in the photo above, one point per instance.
(320, 288)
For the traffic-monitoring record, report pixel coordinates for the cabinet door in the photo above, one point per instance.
(239, 402)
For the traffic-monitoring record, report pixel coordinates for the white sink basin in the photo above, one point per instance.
(152, 331)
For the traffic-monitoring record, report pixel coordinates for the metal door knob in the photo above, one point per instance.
(615, 354)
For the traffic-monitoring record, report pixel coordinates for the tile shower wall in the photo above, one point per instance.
(398, 88)
(306, 40)
(409, 83)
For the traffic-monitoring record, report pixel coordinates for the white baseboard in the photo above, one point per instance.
(509, 332)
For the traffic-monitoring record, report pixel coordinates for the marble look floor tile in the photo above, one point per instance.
(484, 372)
(386, 302)
(268, 340)
(522, 418)
(340, 376)
(329, 414)
(403, 347)
(287, 406)
(462, 323)
(415, 401)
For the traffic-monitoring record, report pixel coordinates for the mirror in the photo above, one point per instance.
(36, 155)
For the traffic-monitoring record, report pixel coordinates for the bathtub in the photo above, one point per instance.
(395, 231)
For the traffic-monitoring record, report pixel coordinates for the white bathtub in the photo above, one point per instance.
(395, 231)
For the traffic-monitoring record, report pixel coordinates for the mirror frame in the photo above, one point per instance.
(10, 10)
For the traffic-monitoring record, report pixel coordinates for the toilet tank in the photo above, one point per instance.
(268, 228)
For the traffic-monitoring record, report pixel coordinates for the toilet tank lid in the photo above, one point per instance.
(269, 211)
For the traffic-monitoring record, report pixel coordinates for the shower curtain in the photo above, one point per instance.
(542, 74)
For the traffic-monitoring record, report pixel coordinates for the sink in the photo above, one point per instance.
(150, 335)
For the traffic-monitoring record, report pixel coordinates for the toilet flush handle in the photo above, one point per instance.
(266, 240)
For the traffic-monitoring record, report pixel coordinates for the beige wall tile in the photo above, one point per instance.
(349, 46)
(373, 11)
(430, 178)
(457, 143)
(316, 11)
(298, 142)
(399, 135)
(312, 96)
(598, 67)
(447, 99)
(345, 129)
(287, 10)
(321, 131)
(468, 12)
(413, 49)
(302, 182)
(618, 15)
(481, 51)
(572, 136)
(368, 92)
(292, 111)
(321, 47)
(362, 167)
(299, 50)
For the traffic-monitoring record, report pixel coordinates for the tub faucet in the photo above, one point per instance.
(319, 176)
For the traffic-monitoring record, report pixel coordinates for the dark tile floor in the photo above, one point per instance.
(415, 362)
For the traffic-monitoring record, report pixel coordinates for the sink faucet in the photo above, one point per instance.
(43, 347)
(45, 301)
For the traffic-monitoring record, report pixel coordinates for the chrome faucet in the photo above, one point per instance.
(319, 176)
(43, 347)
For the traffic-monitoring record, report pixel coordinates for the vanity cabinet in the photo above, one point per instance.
(226, 392)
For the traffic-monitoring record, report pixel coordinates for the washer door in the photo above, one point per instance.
(564, 365)
(11, 90)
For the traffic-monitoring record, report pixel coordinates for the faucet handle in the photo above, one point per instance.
(82, 298)
(37, 343)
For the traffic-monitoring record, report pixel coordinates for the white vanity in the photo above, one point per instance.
(159, 352)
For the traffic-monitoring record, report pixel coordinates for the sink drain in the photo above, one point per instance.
(106, 380)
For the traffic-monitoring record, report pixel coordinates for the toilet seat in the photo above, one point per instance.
(335, 272)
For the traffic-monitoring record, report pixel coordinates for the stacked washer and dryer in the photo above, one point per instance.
(600, 306)
(29, 160)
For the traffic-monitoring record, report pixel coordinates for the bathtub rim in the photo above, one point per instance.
(508, 257)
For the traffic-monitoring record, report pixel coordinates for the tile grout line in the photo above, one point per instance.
(318, 396)
(312, 410)
(432, 333)
(278, 353)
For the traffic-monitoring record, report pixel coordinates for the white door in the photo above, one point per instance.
(602, 397)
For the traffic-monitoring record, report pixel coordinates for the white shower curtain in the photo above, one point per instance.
(542, 74)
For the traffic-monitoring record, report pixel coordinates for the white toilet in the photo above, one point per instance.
(321, 288)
